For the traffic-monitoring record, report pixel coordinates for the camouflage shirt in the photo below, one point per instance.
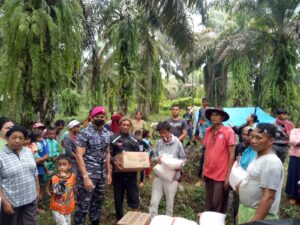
(96, 143)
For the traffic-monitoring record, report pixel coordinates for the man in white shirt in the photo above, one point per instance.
(260, 191)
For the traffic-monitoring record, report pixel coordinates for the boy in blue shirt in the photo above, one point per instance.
(53, 148)
(41, 156)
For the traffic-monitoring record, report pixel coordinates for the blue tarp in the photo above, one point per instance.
(239, 115)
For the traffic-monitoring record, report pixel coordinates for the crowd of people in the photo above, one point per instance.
(74, 166)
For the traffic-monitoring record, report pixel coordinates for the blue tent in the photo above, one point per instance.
(239, 115)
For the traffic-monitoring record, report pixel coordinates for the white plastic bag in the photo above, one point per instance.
(164, 172)
(236, 175)
(168, 220)
(172, 163)
(212, 218)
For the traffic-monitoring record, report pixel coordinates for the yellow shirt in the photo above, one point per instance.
(138, 125)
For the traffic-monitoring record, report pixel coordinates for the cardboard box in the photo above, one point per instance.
(135, 218)
(133, 161)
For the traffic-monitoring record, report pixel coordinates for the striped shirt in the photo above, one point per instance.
(17, 176)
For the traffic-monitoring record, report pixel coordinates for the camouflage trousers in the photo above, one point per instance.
(89, 202)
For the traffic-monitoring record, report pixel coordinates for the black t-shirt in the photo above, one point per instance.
(143, 146)
(188, 117)
(177, 126)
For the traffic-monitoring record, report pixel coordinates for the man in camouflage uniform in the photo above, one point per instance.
(93, 158)
(125, 181)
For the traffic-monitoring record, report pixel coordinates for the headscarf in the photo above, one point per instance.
(115, 126)
(288, 126)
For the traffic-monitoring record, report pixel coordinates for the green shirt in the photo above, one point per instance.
(2, 143)
(53, 147)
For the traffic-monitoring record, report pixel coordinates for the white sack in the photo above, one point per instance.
(164, 172)
(236, 175)
(172, 163)
(212, 218)
(167, 220)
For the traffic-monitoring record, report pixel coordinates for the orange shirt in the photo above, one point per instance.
(217, 152)
(65, 203)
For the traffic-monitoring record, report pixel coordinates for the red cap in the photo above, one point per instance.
(37, 125)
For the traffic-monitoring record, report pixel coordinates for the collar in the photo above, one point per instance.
(222, 128)
(9, 151)
(96, 130)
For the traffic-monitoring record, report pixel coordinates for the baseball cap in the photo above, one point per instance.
(73, 123)
(37, 125)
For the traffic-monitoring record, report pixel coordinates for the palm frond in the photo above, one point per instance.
(172, 18)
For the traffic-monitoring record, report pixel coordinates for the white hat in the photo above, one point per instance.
(73, 123)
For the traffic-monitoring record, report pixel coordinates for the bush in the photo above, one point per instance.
(182, 102)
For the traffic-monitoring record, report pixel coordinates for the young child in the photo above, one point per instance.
(53, 147)
(30, 143)
(41, 156)
(62, 201)
(146, 139)
(143, 148)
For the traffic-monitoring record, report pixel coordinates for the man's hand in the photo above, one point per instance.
(237, 187)
(8, 208)
(159, 160)
(88, 184)
(108, 179)
(63, 175)
(118, 165)
(226, 184)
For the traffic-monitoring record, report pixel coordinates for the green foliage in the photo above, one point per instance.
(266, 35)
(126, 44)
(182, 102)
(279, 87)
(69, 102)
(172, 19)
(241, 90)
(40, 52)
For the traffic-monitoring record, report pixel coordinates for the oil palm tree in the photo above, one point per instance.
(269, 38)
(41, 50)
(130, 30)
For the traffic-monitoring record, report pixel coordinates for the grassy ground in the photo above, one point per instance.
(188, 203)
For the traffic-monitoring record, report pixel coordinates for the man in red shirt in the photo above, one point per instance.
(219, 158)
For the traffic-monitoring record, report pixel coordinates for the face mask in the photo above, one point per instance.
(99, 123)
